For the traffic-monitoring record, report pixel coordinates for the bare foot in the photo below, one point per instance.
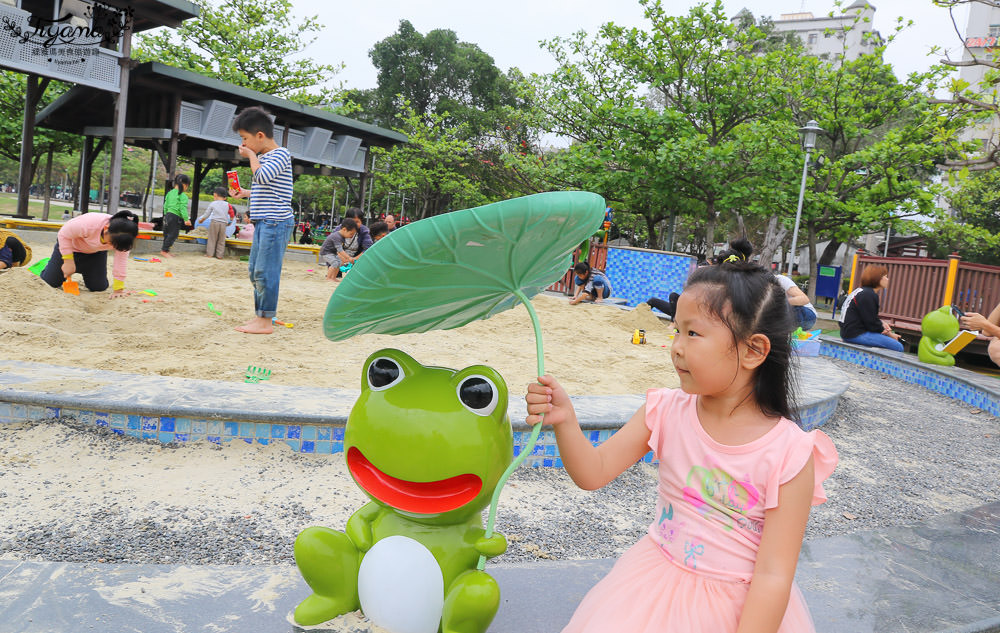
(257, 325)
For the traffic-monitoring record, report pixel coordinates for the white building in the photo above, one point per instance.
(981, 35)
(851, 34)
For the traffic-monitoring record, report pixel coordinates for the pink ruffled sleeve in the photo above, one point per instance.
(802, 445)
(658, 404)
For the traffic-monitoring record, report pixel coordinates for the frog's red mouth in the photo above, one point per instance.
(430, 497)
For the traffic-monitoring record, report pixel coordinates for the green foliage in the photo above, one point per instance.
(972, 229)
(436, 74)
(882, 142)
(13, 87)
(434, 170)
(255, 44)
(710, 137)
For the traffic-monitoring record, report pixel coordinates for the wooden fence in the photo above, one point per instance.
(918, 285)
(597, 258)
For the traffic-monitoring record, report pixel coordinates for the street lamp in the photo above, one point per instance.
(808, 134)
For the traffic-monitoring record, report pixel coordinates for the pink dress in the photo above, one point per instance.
(692, 571)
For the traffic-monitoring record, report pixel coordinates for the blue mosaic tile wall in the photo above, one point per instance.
(546, 452)
(637, 275)
(304, 438)
(929, 379)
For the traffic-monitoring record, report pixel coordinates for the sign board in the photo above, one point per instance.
(980, 42)
(78, 43)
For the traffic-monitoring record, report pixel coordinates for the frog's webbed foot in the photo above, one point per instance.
(470, 604)
(328, 561)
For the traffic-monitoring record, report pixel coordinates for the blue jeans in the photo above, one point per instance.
(267, 253)
(803, 317)
(873, 339)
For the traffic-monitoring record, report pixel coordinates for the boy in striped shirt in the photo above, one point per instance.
(270, 212)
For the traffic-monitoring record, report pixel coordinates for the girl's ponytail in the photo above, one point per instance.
(122, 229)
(128, 215)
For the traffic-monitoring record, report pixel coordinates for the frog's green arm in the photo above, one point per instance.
(490, 546)
(359, 526)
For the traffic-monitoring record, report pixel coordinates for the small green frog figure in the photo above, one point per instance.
(428, 446)
(938, 327)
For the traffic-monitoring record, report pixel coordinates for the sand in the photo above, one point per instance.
(588, 347)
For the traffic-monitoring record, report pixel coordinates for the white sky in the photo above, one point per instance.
(509, 30)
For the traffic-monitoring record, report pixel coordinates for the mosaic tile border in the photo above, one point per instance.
(303, 438)
(153, 409)
(945, 381)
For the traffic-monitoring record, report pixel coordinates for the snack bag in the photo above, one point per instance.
(234, 180)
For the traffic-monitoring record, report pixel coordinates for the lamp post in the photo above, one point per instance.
(808, 134)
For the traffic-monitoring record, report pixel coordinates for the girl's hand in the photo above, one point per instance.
(548, 397)
(118, 294)
(68, 268)
(974, 321)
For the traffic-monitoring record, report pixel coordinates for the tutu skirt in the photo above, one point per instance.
(647, 593)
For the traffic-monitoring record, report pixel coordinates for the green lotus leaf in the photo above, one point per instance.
(449, 270)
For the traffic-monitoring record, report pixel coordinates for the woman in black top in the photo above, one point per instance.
(859, 322)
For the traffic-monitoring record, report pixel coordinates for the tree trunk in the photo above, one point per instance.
(651, 230)
(772, 241)
(829, 252)
(710, 219)
(48, 183)
(671, 222)
(812, 261)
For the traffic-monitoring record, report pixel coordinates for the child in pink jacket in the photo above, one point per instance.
(82, 246)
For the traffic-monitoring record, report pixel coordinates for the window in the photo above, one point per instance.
(812, 39)
(994, 30)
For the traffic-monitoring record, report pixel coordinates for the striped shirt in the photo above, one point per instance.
(271, 188)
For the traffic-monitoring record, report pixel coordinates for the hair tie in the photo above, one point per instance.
(733, 258)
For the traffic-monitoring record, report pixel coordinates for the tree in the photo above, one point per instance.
(710, 139)
(982, 98)
(881, 143)
(972, 228)
(254, 44)
(436, 74)
(432, 170)
(13, 87)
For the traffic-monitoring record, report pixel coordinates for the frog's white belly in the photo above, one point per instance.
(400, 586)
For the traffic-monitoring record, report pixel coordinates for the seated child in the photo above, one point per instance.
(592, 284)
(340, 248)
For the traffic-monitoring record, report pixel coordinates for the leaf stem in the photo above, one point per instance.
(540, 356)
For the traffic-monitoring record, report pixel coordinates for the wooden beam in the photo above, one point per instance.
(121, 109)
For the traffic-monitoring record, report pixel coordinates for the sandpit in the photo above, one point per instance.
(588, 347)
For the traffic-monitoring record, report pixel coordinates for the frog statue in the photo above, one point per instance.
(428, 446)
(938, 327)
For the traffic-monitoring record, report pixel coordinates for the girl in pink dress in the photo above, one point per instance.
(736, 476)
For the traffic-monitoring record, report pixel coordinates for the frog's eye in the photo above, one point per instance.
(478, 394)
(383, 373)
